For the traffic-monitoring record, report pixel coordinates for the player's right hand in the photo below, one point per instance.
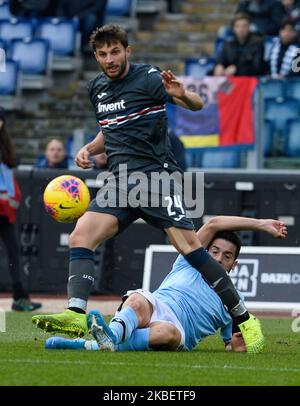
(82, 159)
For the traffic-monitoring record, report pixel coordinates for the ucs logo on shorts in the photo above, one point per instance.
(244, 276)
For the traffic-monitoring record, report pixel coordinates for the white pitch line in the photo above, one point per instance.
(172, 366)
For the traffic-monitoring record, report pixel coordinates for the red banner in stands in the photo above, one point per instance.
(227, 118)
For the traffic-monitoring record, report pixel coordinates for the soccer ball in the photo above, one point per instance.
(66, 198)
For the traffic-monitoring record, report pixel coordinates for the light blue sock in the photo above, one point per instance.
(123, 324)
(139, 341)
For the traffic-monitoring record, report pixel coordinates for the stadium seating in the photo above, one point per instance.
(64, 38)
(271, 88)
(122, 12)
(279, 110)
(150, 6)
(292, 138)
(5, 14)
(10, 86)
(3, 44)
(198, 68)
(16, 28)
(292, 88)
(209, 159)
(9, 78)
(268, 134)
(221, 159)
(35, 71)
(61, 33)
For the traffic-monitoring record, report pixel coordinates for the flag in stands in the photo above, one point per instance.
(227, 118)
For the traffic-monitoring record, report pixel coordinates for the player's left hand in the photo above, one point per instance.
(275, 227)
(172, 85)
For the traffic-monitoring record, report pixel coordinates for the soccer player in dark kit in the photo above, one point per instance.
(129, 102)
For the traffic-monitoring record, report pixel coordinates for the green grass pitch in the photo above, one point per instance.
(24, 361)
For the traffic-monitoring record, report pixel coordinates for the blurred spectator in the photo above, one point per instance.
(55, 156)
(33, 8)
(284, 50)
(292, 12)
(91, 14)
(178, 150)
(244, 54)
(173, 6)
(10, 197)
(265, 15)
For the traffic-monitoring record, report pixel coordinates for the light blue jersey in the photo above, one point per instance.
(198, 308)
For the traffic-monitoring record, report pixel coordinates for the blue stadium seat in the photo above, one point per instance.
(292, 88)
(271, 88)
(61, 33)
(16, 28)
(3, 44)
(292, 138)
(221, 159)
(218, 46)
(119, 7)
(199, 68)
(280, 110)
(213, 158)
(268, 137)
(9, 78)
(122, 12)
(5, 13)
(22, 51)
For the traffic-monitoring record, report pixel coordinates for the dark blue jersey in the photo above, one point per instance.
(132, 116)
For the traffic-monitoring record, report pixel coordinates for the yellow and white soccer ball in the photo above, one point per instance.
(66, 198)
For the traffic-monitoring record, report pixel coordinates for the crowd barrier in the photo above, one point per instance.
(120, 261)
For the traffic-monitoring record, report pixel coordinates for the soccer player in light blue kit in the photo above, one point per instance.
(184, 309)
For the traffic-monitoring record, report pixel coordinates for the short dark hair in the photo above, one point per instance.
(241, 16)
(285, 23)
(228, 236)
(108, 34)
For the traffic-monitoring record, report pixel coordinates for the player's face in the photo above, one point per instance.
(113, 60)
(223, 251)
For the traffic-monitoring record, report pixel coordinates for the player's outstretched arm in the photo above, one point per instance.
(273, 227)
(93, 148)
(181, 96)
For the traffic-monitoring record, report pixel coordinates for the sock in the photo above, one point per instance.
(139, 341)
(218, 279)
(18, 291)
(81, 277)
(91, 345)
(123, 324)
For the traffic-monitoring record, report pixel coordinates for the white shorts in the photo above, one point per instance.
(161, 312)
